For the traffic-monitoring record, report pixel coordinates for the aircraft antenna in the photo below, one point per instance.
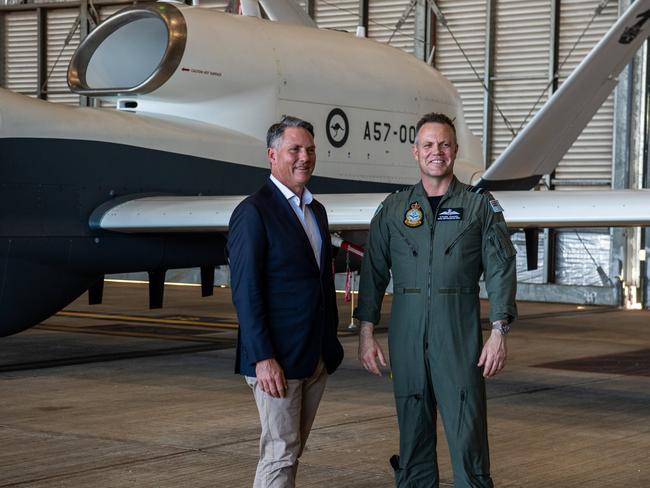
(597, 11)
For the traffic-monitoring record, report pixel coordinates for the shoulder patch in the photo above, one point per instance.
(496, 206)
(474, 189)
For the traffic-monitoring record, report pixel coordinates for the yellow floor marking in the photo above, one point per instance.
(129, 318)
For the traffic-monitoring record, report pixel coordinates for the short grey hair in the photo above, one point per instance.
(276, 131)
(435, 118)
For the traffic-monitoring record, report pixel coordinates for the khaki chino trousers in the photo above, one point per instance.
(286, 423)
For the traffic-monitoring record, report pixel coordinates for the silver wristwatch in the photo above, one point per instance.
(501, 326)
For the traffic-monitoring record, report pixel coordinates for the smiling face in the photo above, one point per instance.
(435, 151)
(293, 158)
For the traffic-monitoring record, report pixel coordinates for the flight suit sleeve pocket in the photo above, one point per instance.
(504, 249)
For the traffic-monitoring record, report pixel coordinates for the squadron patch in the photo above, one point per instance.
(414, 215)
(496, 206)
(450, 214)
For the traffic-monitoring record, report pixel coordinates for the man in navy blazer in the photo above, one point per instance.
(283, 289)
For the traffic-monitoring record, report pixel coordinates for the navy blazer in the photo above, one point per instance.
(285, 304)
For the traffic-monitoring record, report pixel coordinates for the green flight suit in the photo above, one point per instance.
(437, 257)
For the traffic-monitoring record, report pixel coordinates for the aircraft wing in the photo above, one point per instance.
(212, 213)
(522, 209)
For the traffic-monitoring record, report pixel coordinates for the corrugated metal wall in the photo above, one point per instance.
(523, 50)
(383, 16)
(590, 158)
(60, 23)
(21, 44)
(521, 66)
(337, 14)
(467, 20)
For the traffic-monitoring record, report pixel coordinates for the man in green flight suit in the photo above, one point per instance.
(438, 237)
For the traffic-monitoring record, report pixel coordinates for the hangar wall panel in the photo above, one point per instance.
(21, 44)
(590, 157)
(383, 16)
(521, 68)
(337, 14)
(467, 20)
(580, 254)
(60, 22)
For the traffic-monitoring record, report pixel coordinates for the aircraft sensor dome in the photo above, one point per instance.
(133, 52)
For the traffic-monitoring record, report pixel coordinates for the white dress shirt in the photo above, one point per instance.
(305, 214)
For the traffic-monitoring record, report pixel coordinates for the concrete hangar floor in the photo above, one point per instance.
(118, 396)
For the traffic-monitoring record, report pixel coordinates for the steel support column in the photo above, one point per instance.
(363, 15)
(490, 36)
(41, 49)
(84, 29)
(627, 173)
(620, 169)
(553, 67)
(423, 43)
(645, 233)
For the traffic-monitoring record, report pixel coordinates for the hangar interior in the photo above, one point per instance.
(505, 57)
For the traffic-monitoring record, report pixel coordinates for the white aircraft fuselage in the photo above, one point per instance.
(196, 90)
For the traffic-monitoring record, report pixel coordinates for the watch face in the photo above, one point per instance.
(503, 328)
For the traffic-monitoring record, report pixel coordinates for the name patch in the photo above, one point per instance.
(450, 214)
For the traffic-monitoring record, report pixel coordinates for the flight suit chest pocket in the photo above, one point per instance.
(464, 240)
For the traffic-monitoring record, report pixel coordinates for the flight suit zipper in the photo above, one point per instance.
(428, 324)
(429, 274)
